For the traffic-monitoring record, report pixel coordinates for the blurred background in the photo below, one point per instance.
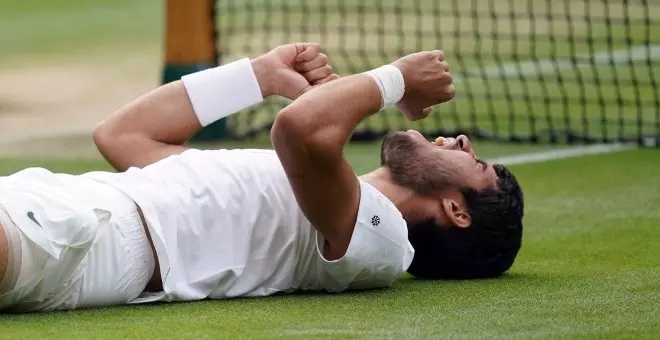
(528, 72)
(67, 64)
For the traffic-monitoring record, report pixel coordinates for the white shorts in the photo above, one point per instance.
(82, 243)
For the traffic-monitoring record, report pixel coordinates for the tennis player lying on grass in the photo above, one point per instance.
(180, 224)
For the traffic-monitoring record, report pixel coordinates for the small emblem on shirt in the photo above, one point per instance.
(375, 220)
(30, 215)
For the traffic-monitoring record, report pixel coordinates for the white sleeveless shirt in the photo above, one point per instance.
(225, 223)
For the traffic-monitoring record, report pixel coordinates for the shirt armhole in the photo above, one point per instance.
(378, 251)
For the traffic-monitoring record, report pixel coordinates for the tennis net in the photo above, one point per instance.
(531, 71)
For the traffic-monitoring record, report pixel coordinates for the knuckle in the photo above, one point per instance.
(451, 91)
(445, 65)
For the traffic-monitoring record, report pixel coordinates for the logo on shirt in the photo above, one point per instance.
(30, 215)
(375, 220)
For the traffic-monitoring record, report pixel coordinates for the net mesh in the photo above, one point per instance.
(535, 71)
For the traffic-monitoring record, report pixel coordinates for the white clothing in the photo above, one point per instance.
(225, 223)
(82, 242)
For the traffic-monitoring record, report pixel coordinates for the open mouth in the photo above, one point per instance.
(448, 142)
(461, 142)
(444, 141)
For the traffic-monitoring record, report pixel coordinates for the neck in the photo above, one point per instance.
(403, 198)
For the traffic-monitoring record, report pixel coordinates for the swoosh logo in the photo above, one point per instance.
(30, 215)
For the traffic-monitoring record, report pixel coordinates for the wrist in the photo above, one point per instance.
(390, 82)
(261, 71)
(222, 91)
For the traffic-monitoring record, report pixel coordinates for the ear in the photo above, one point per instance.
(456, 213)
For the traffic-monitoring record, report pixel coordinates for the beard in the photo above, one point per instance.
(416, 166)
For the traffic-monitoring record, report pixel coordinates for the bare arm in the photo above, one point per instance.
(150, 128)
(309, 137)
(157, 124)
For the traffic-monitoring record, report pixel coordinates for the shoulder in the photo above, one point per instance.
(379, 251)
(380, 216)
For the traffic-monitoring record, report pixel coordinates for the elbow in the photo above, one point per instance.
(120, 148)
(294, 128)
(289, 126)
(111, 140)
(295, 131)
(107, 136)
(102, 135)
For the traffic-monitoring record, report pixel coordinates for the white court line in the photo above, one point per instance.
(579, 151)
(536, 67)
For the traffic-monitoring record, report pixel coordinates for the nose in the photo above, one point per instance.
(465, 145)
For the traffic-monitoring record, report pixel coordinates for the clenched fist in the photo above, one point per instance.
(292, 69)
(428, 82)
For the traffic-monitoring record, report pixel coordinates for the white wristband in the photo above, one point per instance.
(221, 91)
(390, 82)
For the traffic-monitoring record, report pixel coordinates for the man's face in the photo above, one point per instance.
(430, 167)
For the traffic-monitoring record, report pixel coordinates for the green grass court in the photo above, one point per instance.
(589, 267)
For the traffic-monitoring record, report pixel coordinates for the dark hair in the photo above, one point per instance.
(486, 249)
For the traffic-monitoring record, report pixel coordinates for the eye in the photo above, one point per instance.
(483, 164)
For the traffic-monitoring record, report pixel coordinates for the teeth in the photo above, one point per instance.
(442, 141)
